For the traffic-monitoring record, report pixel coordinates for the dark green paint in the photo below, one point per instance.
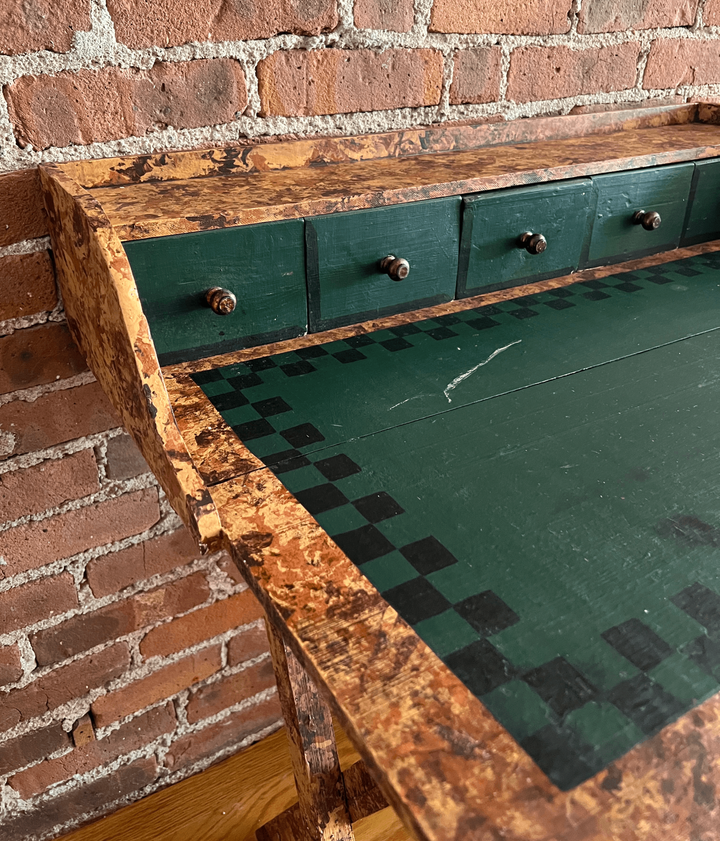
(344, 251)
(490, 255)
(619, 194)
(262, 264)
(703, 221)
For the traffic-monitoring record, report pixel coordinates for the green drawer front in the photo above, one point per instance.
(344, 251)
(262, 264)
(615, 236)
(491, 256)
(704, 217)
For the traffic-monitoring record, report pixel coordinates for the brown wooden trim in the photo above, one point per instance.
(107, 322)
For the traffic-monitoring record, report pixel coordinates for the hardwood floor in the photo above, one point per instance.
(228, 802)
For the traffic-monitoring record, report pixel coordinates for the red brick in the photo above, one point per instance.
(37, 600)
(394, 15)
(54, 418)
(47, 485)
(128, 737)
(85, 631)
(229, 567)
(27, 284)
(300, 83)
(161, 684)
(111, 573)
(41, 24)
(249, 644)
(10, 664)
(477, 76)
(202, 624)
(556, 72)
(531, 17)
(167, 23)
(63, 684)
(33, 746)
(124, 459)
(38, 355)
(218, 696)
(38, 543)
(711, 13)
(99, 105)
(22, 212)
(682, 62)
(230, 731)
(95, 797)
(621, 15)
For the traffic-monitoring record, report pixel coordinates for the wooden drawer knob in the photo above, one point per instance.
(533, 243)
(650, 220)
(221, 301)
(395, 267)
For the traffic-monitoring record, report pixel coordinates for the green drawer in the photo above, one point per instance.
(615, 236)
(703, 222)
(491, 254)
(344, 251)
(263, 265)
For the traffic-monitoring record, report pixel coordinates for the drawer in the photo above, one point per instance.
(263, 265)
(703, 221)
(346, 283)
(492, 255)
(616, 235)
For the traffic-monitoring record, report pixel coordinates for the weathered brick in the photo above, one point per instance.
(201, 625)
(111, 573)
(248, 644)
(10, 664)
(230, 731)
(621, 15)
(22, 212)
(229, 567)
(682, 62)
(128, 737)
(530, 17)
(41, 542)
(27, 284)
(557, 72)
(35, 601)
(218, 696)
(28, 25)
(297, 83)
(160, 684)
(63, 684)
(98, 105)
(33, 746)
(54, 418)
(89, 798)
(167, 23)
(711, 13)
(394, 15)
(85, 631)
(38, 355)
(47, 485)
(477, 76)
(124, 460)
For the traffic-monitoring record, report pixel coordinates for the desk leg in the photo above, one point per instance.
(321, 790)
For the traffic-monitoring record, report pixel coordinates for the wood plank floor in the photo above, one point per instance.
(228, 802)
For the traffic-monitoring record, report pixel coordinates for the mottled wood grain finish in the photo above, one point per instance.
(107, 322)
(161, 208)
(185, 368)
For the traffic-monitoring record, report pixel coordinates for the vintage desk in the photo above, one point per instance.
(449, 397)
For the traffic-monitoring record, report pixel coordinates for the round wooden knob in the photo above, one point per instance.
(221, 301)
(533, 243)
(650, 220)
(395, 267)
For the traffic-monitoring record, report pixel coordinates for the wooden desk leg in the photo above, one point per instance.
(321, 790)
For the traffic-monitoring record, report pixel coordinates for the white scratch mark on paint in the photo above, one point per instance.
(407, 400)
(456, 382)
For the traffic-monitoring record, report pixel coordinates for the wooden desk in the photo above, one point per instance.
(515, 620)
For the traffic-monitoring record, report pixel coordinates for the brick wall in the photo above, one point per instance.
(126, 660)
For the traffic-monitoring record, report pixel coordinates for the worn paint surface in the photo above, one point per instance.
(703, 221)
(105, 317)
